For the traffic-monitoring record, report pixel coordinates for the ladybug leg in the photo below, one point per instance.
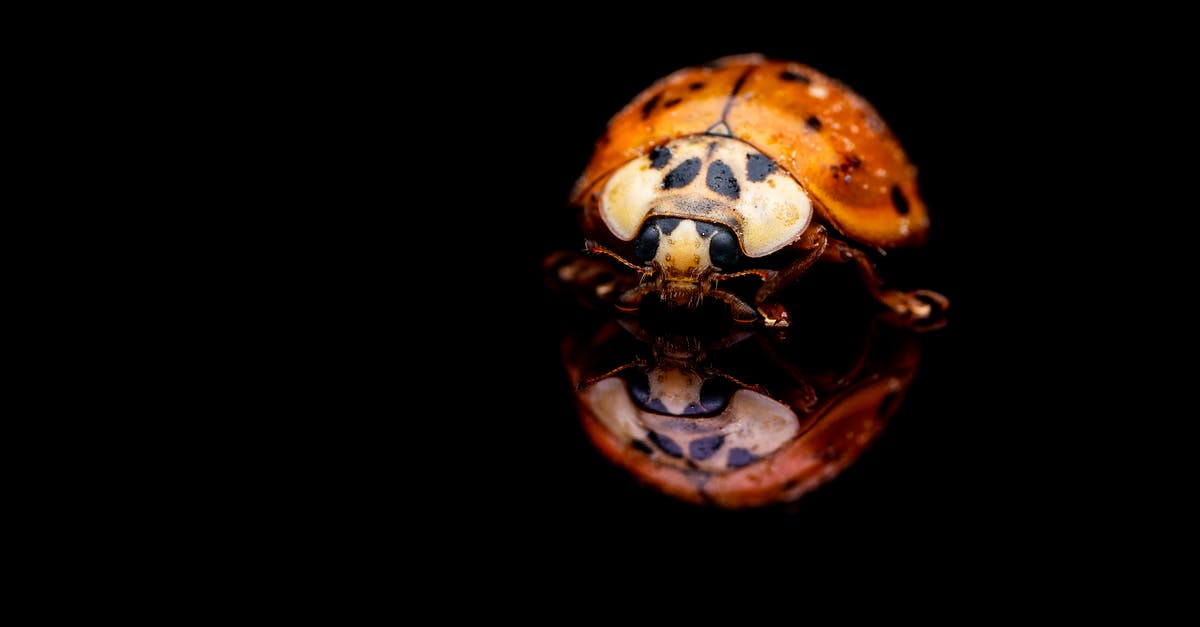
(812, 245)
(917, 305)
(742, 313)
(591, 281)
(631, 299)
(590, 381)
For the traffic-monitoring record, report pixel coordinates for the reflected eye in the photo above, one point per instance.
(646, 245)
(723, 250)
(715, 395)
(639, 386)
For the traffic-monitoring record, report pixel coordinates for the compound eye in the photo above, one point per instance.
(646, 244)
(639, 386)
(723, 250)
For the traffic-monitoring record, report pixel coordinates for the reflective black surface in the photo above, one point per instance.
(731, 415)
(440, 394)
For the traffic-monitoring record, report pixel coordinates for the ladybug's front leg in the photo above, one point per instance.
(919, 307)
(812, 245)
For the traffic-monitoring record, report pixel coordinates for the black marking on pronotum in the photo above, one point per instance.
(899, 200)
(667, 445)
(667, 225)
(672, 102)
(683, 174)
(696, 86)
(660, 157)
(712, 147)
(789, 75)
(721, 180)
(649, 105)
(642, 446)
(813, 123)
(758, 166)
(704, 448)
(739, 457)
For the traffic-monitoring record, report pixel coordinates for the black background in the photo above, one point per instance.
(446, 403)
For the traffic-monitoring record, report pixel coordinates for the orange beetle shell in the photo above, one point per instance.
(814, 127)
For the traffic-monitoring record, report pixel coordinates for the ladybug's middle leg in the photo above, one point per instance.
(917, 305)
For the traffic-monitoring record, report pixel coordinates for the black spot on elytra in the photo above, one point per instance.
(696, 86)
(759, 167)
(642, 446)
(704, 448)
(849, 164)
(667, 445)
(788, 75)
(721, 180)
(683, 174)
(899, 200)
(660, 157)
(672, 102)
(649, 105)
(813, 123)
(739, 457)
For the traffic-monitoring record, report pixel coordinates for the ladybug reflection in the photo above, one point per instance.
(735, 421)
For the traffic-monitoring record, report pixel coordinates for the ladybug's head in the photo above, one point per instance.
(683, 254)
(696, 206)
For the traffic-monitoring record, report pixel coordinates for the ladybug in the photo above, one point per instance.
(749, 167)
(735, 421)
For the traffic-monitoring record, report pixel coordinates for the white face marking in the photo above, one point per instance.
(818, 91)
(683, 253)
(628, 197)
(675, 388)
(766, 214)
